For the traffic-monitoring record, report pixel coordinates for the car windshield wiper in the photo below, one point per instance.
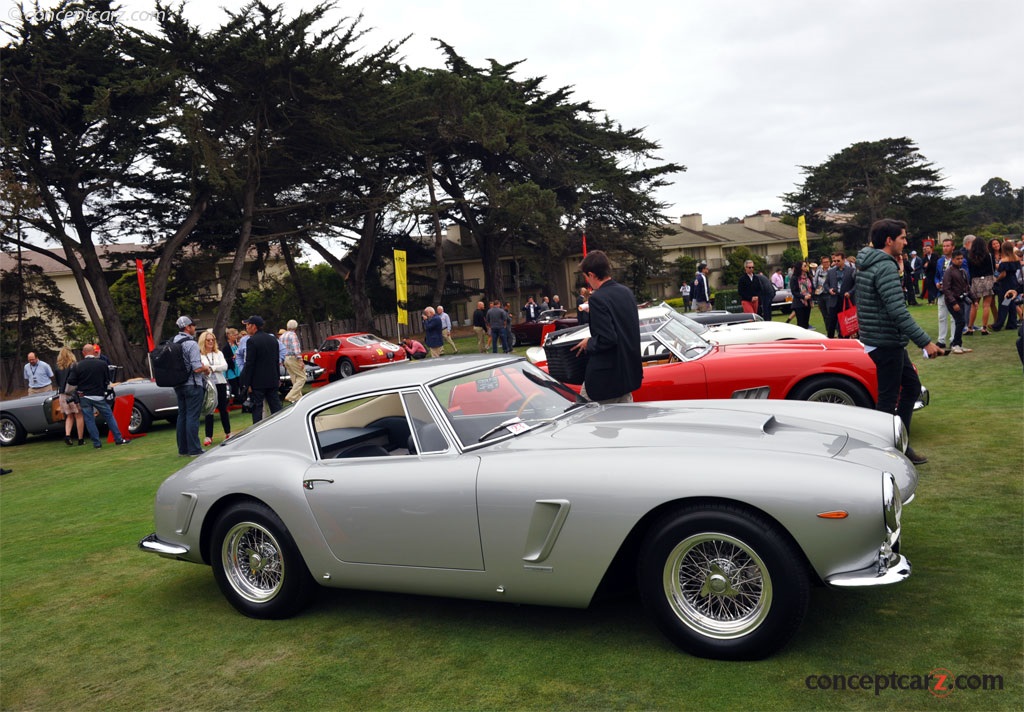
(531, 424)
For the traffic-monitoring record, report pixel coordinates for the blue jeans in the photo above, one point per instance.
(190, 405)
(496, 335)
(103, 407)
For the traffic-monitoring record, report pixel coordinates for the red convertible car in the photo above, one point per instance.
(680, 365)
(342, 355)
(529, 333)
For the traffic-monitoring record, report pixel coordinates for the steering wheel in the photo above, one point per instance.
(526, 402)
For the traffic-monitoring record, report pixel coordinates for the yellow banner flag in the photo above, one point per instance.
(400, 287)
(801, 232)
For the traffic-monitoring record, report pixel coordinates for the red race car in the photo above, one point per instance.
(342, 355)
(680, 365)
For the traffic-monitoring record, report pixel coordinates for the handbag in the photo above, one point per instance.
(848, 324)
(209, 399)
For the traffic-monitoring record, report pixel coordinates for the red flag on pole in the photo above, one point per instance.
(584, 244)
(145, 307)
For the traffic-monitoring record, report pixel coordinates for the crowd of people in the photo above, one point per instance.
(978, 281)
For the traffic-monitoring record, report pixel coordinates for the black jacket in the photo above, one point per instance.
(90, 376)
(614, 367)
(262, 365)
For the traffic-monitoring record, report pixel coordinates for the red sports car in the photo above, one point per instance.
(342, 355)
(680, 365)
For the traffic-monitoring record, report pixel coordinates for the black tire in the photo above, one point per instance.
(722, 582)
(832, 389)
(141, 419)
(256, 563)
(513, 340)
(11, 431)
(345, 368)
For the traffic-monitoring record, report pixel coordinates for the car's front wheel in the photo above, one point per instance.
(722, 582)
(256, 563)
(345, 368)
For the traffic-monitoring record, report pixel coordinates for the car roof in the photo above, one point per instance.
(405, 374)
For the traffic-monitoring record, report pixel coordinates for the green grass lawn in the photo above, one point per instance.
(88, 622)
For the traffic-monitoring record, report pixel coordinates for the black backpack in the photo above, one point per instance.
(169, 366)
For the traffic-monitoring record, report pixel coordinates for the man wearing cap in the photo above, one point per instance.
(293, 361)
(262, 373)
(190, 394)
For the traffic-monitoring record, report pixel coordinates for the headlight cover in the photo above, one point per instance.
(901, 438)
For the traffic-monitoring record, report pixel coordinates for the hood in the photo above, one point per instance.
(706, 428)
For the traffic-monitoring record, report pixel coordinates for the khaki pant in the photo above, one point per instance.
(297, 372)
(448, 337)
(481, 338)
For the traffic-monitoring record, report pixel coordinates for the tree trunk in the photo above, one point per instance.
(158, 289)
(238, 263)
(442, 276)
(305, 308)
(357, 279)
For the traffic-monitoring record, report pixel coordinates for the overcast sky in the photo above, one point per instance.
(743, 92)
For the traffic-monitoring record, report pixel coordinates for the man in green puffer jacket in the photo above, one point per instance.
(886, 325)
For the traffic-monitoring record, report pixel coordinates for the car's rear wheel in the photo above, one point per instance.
(722, 582)
(140, 421)
(256, 563)
(513, 340)
(11, 431)
(832, 389)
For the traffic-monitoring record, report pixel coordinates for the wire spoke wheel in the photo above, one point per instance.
(717, 585)
(253, 562)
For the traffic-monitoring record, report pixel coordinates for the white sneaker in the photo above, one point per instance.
(958, 349)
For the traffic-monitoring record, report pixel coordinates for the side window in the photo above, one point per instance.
(428, 437)
(375, 426)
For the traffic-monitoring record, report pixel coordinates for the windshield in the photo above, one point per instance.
(478, 402)
(673, 332)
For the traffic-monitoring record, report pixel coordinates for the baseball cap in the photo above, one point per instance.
(913, 252)
(256, 321)
(183, 321)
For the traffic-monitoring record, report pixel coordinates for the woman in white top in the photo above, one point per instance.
(211, 356)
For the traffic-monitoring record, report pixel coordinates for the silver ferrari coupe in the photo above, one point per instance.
(482, 477)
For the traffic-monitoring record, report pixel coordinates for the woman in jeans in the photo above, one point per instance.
(211, 356)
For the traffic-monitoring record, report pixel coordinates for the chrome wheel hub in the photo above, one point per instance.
(717, 585)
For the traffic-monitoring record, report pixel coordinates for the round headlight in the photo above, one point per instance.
(901, 438)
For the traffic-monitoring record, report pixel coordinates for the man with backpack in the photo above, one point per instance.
(190, 393)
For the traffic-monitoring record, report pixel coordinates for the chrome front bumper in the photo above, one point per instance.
(897, 569)
(155, 545)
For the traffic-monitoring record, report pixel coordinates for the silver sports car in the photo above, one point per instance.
(482, 477)
(32, 415)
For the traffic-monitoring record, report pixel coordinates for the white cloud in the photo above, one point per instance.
(743, 92)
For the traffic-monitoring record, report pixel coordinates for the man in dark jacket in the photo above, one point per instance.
(749, 290)
(90, 378)
(614, 368)
(839, 282)
(262, 373)
(886, 324)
